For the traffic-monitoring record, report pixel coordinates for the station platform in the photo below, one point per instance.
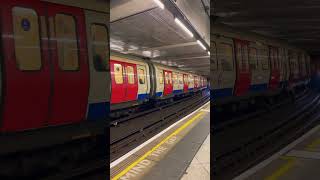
(299, 160)
(177, 152)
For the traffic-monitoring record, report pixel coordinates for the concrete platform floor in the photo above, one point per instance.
(168, 156)
(298, 161)
(200, 166)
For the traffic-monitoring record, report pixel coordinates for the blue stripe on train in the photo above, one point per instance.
(190, 89)
(258, 87)
(143, 96)
(159, 94)
(98, 111)
(219, 93)
(177, 91)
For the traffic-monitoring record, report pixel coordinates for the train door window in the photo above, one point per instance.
(118, 74)
(65, 28)
(100, 49)
(253, 59)
(271, 58)
(130, 74)
(26, 39)
(245, 57)
(141, 76)
(170, 78)
(213, 56)
(239, 56)
(185, 79)
(161, 77)
(225, 57)
(166, 76)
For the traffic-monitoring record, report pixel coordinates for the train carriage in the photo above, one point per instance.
(246, 65)
(135, 81)
(54, 75)
(130, 81)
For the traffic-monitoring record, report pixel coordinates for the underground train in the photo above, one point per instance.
(245, 66)
(135, 81)
(54, 76)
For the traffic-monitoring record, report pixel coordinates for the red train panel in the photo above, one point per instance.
(131, 82)
(243, 78)
(185, 83)
(168, 87)
(118, 91)
(124, 82)
(70, 80)
(26, 88)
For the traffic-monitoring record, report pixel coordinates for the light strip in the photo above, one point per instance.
(183, 27)
(159, 3)
(209, 53)
(200, 43)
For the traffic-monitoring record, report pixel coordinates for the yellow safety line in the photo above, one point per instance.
(291, 160)
(283, 169)
(177, 131)
(313, 144)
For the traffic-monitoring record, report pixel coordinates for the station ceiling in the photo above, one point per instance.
(296, 21)
(140, 27)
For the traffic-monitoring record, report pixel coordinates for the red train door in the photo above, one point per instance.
(168, 87)
(70, 64)
(118, 84)
(243, 79)
(185, 82)
(131, 82)
(275, 72)
(26, 76)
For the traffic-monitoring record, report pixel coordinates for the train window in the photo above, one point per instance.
(65, 28)
(130, 74)
(225, 57)
(100, 47)
(175, 78)
(118, 74)
(141, 76)
(253, 59)
(26, 39)
(161, 77)
(190, 79)
(180, 79)
(213, 56)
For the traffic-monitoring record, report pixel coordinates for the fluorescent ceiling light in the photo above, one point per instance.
(200, 43)
(159, 3)
(183, 27)
(209, 53)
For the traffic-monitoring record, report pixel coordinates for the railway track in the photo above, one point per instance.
(235, 119)
(132, 131)
(238, 148)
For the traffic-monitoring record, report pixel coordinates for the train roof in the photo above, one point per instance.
(96, 5)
